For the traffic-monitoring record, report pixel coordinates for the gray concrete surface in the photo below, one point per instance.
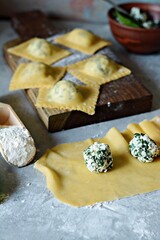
(86, 10)
(31, 212)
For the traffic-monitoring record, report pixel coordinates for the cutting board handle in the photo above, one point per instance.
(8, 117)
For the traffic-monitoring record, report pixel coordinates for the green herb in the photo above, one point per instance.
(126, 20)
(143, 148)
(98, 157)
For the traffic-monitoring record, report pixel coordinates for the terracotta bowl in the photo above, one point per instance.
(137, 40)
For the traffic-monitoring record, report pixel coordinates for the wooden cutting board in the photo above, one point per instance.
(119, 98)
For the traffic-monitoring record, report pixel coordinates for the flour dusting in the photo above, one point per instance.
(17, 145)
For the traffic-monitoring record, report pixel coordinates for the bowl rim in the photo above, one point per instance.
(138, 29)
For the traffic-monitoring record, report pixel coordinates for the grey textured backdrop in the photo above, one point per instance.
(87, 10)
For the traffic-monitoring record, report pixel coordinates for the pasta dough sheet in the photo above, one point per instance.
(71, 182)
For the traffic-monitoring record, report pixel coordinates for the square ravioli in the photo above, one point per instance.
(98, 69)
(82, 40)
(70, 96)
(39, 50)
(35, 75)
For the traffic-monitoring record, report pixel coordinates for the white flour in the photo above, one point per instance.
(17, 145)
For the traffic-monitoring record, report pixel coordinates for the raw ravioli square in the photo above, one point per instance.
(82, 40)
(69, 96)
(98, 69)
(39, 50)
(35, 75)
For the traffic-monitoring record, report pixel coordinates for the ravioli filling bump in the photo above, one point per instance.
(39, 48)
(65, 91)
(98, 66)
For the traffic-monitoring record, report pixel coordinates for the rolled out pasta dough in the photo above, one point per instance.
(70, 181)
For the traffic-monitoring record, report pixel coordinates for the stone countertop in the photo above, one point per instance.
(31, 212)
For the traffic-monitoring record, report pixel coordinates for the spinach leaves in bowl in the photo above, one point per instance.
(137, 19)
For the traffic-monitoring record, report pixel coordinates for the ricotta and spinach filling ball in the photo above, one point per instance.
(98, 157)
(143, 148)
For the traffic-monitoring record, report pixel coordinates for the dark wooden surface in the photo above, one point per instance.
(33, 23)
(119, 98)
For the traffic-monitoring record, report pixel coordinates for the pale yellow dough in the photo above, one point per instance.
(82, 40)
(39, 50)
(71, 182)
(35, 75)
(67, 95)
(98, 69)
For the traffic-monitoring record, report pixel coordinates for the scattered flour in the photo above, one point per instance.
(17, 145)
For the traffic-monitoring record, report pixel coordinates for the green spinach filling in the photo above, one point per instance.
(143, 148)
(98, 157)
